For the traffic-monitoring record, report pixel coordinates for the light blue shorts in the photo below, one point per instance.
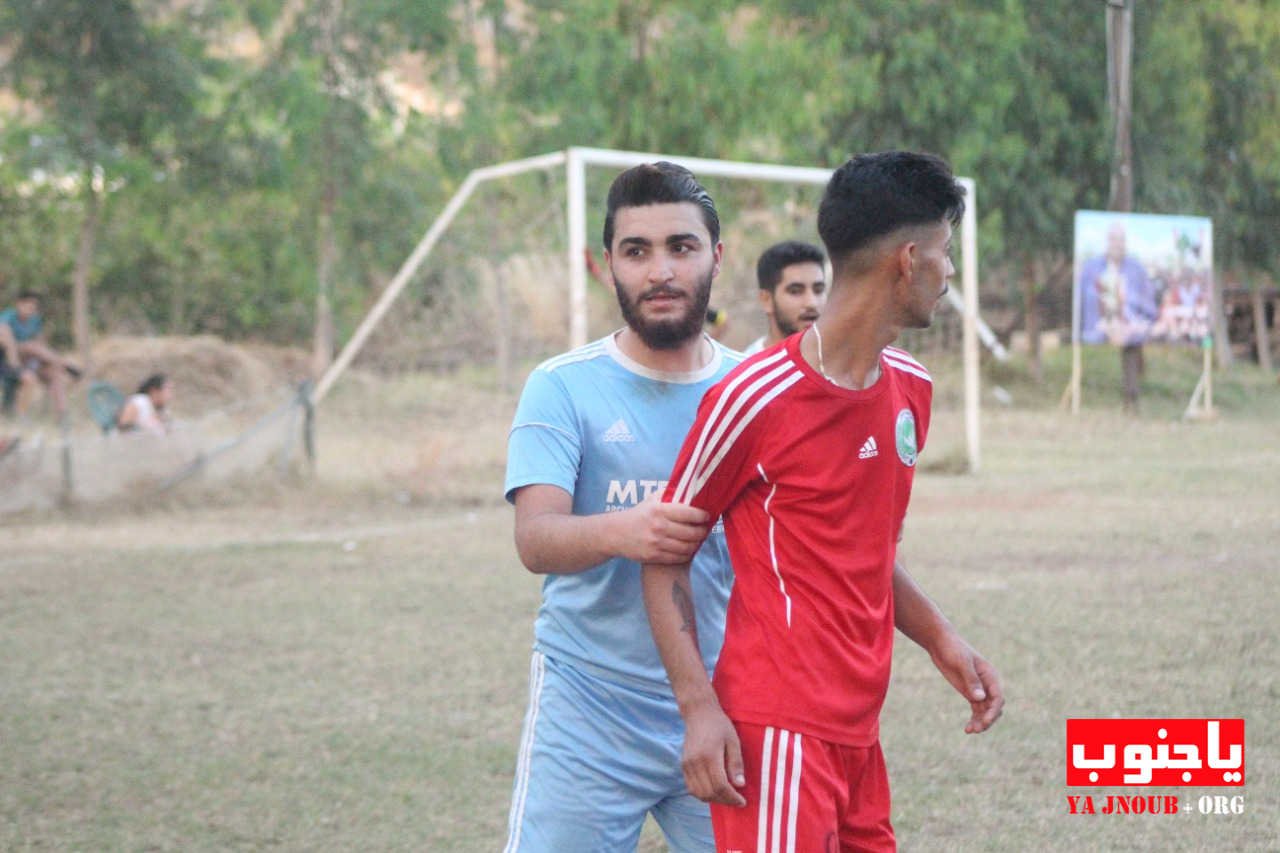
(595, 758)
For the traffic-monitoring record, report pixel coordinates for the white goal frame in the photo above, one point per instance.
(575, 162)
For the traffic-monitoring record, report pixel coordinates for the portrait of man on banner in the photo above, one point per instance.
(1142, 278)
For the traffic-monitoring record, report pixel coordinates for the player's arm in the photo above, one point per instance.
(968, 672)
(712, 758)
(712, 753)
(552, 540)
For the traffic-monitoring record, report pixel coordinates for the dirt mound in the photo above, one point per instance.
(208, 372)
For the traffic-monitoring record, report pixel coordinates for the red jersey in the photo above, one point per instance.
(812, 481)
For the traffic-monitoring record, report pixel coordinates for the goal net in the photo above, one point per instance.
(216, 449)
(500, 277)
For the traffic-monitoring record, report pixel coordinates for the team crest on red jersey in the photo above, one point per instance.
(905, 433)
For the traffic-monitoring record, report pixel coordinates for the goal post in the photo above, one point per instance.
(966, 301)
(575, 162)
(418, 255)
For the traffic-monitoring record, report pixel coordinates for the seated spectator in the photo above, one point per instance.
(147, 410)
(22, 340)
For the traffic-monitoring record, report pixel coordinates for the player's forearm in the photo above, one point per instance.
(556, 543)
(668, 598)
(915, 615)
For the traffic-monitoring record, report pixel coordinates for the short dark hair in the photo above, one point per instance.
(658, 183)
(779, 256)
(154, 382)
(29, 294)
(874, 194)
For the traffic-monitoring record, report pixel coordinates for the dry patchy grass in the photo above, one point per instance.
(342, 665)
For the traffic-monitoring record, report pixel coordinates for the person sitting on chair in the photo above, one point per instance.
(147, 410)
(22, 337)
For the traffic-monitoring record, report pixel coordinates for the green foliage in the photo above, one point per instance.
(218, 160)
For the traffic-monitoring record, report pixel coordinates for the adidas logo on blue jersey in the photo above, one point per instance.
(619, 432)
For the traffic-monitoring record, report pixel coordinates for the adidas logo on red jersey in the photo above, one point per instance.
(868, 449)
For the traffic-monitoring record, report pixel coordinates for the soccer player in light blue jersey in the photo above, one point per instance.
(594, 437)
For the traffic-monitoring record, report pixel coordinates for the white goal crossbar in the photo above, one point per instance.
(575, 160)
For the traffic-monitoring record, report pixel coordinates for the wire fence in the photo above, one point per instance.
(67, 468)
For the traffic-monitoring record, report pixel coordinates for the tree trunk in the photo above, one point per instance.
(326, 243)
(178, 306)
(1221, 335)
(1031, 312)
(178, 286)
(80, 275)
(327, 250)
(1260, 333)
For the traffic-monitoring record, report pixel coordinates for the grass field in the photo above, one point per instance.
(342, 665)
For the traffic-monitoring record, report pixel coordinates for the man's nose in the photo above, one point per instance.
(661, 269)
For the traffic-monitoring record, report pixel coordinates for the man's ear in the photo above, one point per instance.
(766, 301)
(605, 275)
(905, 258)
(719, 256)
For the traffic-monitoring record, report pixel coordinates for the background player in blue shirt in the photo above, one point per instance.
(595, 434)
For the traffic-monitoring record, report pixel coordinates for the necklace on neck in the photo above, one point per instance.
(822, 367)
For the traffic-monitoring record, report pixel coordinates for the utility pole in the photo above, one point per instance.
(1120, 100)
(1120, 105)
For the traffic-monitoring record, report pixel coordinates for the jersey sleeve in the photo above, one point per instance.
(922, 409)
(545, 443)
(923, 404)
(714, 463)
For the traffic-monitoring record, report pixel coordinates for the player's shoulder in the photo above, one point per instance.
(758, 378)
(906, 367)
(729, 357)
(576, 358)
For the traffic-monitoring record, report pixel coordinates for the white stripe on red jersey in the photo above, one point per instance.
(741, 423)
(906, 367)
(903, 355)
(723, 416)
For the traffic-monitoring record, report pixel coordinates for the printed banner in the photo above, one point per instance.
(1141, 277)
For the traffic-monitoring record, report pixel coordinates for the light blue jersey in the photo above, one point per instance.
(607, 430)
(602, 735)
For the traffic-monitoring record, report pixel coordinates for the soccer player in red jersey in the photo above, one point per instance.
(807, 452)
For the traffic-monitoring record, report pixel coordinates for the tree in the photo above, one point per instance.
(318, 91)
(113, 90)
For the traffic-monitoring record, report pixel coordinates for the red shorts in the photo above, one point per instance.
(818, 797)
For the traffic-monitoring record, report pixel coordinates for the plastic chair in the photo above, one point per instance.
(105, 403)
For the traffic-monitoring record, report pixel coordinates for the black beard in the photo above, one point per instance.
(667, 334)
(787, 329)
